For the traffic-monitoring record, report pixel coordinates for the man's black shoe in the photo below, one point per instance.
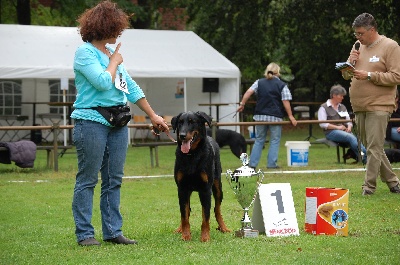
(121, 240)
(89, 242)
(395, 189)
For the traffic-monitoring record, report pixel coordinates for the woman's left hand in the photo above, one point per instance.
(159, 123)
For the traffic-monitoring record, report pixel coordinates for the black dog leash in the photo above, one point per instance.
(229, 115)
(156, 131)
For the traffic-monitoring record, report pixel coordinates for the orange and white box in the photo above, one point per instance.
(327, 211)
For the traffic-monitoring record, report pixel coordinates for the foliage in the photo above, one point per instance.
(8, 15)
(236, 29)
(305, 37)
(65, 12)
(317, 34)
(309, 36)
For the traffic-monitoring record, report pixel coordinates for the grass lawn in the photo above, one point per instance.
(36, 224)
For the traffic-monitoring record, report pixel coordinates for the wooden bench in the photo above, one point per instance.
(330, 143)
(52, 160)
(153, 146)
(153, 149)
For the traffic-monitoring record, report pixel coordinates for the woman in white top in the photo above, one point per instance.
(339, 132)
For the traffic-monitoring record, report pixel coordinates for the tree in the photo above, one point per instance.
(317, 34)
(23, 12)
(235, 28)
(61, 12)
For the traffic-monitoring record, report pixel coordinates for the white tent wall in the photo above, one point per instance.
(156, 59)
(160, 92)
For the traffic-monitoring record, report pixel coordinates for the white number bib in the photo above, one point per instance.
(120, 83)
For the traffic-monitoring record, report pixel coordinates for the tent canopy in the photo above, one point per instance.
(48, 52)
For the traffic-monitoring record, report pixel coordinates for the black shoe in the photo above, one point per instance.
(367, 192)
(395, 189)
(121, 240)
(89, 242)
(277, 167)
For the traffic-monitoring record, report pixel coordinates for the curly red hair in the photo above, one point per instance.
(104, 21)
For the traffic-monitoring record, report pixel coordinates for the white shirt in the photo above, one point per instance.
(323, 116)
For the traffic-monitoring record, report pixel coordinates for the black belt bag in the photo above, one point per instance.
(117, 116)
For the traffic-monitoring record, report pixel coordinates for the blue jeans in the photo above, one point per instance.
(394, 135)
(340, 136)
(261, 136)
(99, 148)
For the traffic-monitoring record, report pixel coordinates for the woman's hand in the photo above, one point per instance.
(159, 123)
(293, 120)
(116, 57)
(348, 129)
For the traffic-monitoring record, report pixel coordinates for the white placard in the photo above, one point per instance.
(274, 211)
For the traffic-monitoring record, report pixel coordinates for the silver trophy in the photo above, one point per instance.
(244, 182)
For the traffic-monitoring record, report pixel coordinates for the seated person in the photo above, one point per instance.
(393, 128)
(332, 109)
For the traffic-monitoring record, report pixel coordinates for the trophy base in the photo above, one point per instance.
(246, 233)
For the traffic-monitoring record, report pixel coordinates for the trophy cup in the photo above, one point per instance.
(244, 182)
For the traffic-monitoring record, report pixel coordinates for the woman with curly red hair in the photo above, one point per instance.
(101, 114)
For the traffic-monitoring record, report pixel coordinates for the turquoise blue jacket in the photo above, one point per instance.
(95, 87)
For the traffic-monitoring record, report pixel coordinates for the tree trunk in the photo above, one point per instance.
(24, 12)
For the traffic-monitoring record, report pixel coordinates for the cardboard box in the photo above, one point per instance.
(326, 211)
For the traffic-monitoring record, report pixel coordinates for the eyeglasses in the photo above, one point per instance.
(360, 34)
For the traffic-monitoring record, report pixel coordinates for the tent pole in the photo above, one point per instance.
(210, 106)
(185, 95)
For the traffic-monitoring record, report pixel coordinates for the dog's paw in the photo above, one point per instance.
(178, 230)
(224, 229)
(186, 236)
(205, 237)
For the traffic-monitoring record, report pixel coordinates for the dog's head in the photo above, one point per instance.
(350, 154)
(190, 129)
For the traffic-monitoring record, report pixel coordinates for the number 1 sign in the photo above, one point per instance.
(274, 211)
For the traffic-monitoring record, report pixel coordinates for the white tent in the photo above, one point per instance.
(160, 61)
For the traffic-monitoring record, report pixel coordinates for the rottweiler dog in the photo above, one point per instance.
(393, 155)
(234, 140)
(350, 154)
(197, 168)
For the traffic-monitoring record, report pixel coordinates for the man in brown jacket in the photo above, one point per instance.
(372, 96)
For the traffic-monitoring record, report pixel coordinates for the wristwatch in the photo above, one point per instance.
(369, 76)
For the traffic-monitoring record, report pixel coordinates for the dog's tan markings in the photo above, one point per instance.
(204, 177)
(217, 209)
(179, 229)
(205, 228)
(185, 224)
(195, 143)
(179, 176)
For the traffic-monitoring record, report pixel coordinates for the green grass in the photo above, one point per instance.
(36, 225)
